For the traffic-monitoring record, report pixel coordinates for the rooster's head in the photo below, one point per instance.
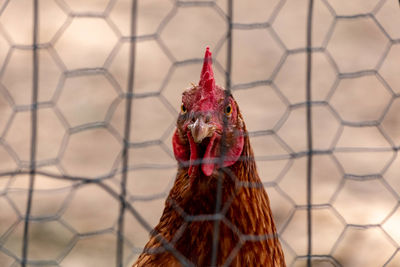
(208, 115)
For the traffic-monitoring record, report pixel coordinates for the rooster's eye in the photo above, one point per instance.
(228, 110)
(183, 109)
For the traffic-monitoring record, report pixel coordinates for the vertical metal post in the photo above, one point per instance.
(309, 131)
(218, 204)
(34, 120)
(127, 132)
(229, 48)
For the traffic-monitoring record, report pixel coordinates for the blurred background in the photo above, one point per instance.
(83, 79)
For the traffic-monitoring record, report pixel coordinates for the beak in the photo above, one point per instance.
(200, 129)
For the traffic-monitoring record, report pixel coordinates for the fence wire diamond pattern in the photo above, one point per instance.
(89, 93)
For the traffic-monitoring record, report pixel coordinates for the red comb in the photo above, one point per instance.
(207, 81)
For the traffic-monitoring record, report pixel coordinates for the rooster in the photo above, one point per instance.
(215, 165)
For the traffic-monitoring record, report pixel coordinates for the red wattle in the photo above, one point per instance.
(193, 153)
(180, 150)
(234, 152)
(208, 165)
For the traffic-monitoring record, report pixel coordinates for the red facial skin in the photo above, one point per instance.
(210, 122)
(207, 114)
(211, 105)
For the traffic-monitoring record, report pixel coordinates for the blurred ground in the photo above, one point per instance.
(83, 75)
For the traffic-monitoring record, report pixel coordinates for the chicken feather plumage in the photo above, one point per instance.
(211, 143)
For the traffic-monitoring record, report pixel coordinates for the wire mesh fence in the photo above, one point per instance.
(89, 95)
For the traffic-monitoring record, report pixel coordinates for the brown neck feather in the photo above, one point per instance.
(247, 215)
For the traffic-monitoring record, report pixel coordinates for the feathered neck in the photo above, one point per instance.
(246, 211)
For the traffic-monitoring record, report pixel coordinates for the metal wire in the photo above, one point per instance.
(309, 131)
(35, 88)
(115, 182)
(127, 132)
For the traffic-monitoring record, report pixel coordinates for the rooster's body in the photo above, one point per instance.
(210, 124)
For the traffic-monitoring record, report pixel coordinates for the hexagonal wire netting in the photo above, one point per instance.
(89, 93)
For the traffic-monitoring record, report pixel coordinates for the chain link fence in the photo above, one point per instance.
(89, 95)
